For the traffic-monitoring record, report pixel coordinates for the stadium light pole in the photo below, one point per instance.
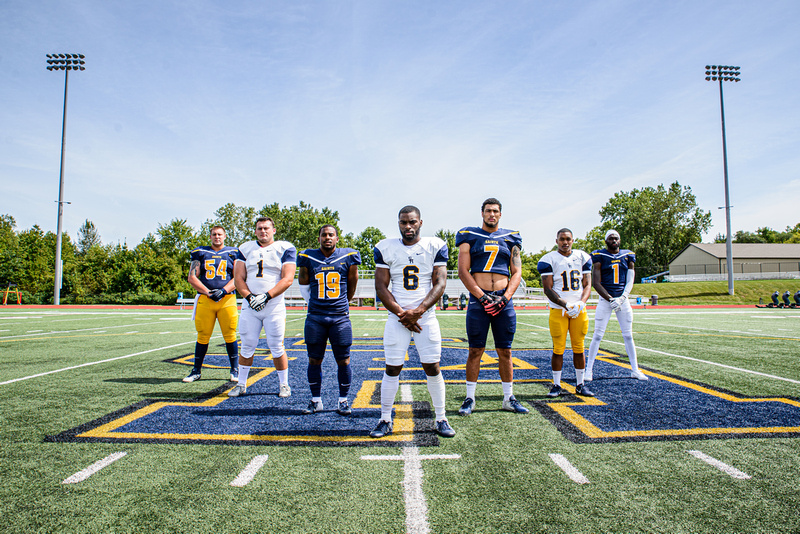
(725, 73)
(65, 62)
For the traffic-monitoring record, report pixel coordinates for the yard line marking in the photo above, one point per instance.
(80, 476)
(71, 331)
(725, 468)
(33, 331)
(405, 393)
(638, 347)
(97, 362)
(416, 505)
(533, 325)
(250, 471)
(569, 469)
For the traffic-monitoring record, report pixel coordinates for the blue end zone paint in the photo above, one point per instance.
(664, 408)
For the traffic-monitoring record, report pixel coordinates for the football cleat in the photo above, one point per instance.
(555, 391)
(581, 389)
(467, 406)
(284, 391)
(313, 407)
(194, 375)
(513, 405)
(384, 428)
(344, 408)
(444, 429)
(638, 375)
(235, 375)
(237, 391)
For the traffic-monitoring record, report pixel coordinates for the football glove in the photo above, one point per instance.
(498, 304)
(216, 294)
(486, 301)
(575, 308)
(257, 302)
(615, 303)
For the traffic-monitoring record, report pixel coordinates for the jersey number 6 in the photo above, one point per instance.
(411, 277)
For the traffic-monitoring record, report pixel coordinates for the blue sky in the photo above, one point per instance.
(364, 107)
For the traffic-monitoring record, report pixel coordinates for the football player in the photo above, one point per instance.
(264, 270)
(612, 278)
(489, 266)
(566, 279)
(211, 274)
(328, 278)
(416, 267)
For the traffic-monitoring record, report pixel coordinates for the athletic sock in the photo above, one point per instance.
(345, 375)
(200, 351)
(436, 389)
(630, 348)
(508, 390)
(233, 354)
(283, 376)
(314, 374)
(471, 386)
(579, 376)
(389, 386)
(244, 370)
(557, 378)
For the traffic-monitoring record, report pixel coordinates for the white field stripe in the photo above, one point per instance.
(72, 331)
(725, 468)
(97, 362)
(80, 476)
(405, 393)
(416, 505)
(250, 471)
(569, 469)
(710, 363)
(534, 325)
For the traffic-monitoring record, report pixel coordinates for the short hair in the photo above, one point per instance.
(215, 227)
(563, 231)
(264, 219)
(491, 200)
(328, 226)
(410, 209)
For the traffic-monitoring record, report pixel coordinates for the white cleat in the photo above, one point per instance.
(638, 375)
(284, 391)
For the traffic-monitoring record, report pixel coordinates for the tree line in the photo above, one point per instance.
(655, 222)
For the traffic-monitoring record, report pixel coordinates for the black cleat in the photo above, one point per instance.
(467, 406)
(384, 428)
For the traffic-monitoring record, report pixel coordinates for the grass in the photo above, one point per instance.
(503, 480)
(715, 293)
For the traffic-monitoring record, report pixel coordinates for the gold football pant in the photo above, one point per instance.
(208, 312)
(560, 325)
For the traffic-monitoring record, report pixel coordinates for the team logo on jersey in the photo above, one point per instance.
(666, 407)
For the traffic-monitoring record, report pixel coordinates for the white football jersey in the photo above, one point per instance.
(567, 273)
(411, 268)
(264, 264)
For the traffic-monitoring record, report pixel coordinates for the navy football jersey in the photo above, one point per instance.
(489, 252)
(613, 269)
(216, 267)
(328, 279)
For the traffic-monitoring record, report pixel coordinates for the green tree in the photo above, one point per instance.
(299, 225)
(452, 252)
(88, 237)
(10, 261)
(238, 222)
(364, 244)
(655, 223)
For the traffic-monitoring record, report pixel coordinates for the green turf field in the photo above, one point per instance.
(500, 473)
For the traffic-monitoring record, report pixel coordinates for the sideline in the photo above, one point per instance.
(98, 362)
